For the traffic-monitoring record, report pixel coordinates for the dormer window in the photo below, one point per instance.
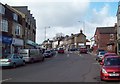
(2, 9)
(15, 16)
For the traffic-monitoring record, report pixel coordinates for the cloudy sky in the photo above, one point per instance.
(69, 16)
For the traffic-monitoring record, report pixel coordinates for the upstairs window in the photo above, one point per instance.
(15, 17)
(2, 9)
(4, 25)
(17, 30)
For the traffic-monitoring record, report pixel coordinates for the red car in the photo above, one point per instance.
(110, 69)
(60, 50)
(83, 50)
(106, 55)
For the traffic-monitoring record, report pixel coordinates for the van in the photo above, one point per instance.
(31, 55)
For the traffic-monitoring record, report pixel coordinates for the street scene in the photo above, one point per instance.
(60, 41)
(68, 67)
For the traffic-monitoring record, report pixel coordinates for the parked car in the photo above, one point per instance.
(31, 55)
(83, 50)
(100, 55)
(110, 69)
(60, 50)
(48, 53)
(12, 60)
(53, 52)
(107, 55)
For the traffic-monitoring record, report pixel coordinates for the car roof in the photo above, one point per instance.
(108, 53)
(112, 57)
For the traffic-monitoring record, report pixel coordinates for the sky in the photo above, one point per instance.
(69, 16)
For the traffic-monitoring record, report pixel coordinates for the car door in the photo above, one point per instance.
(16, 59)
(20, 59)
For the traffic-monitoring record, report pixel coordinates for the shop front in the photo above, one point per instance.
(17, 44)
(6, 44)
(31, 44)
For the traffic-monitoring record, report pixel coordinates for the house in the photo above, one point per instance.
(29, 27)
(105, 39)
(118, 29)
(12, 29)
(80, 39)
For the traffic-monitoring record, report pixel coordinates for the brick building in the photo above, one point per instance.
(11, 28)
(105, 38)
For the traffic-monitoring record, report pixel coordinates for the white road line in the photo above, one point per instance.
(96, 63)
(68, 55)
(5, 80)
(55, 55)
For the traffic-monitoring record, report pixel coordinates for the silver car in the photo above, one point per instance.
(11, 60)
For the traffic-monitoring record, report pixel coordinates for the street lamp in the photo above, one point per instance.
(83, 25)
(45, 30)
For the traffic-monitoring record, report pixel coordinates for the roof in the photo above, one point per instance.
(106, 30)
(112, 57)
(14, 10)
(110, 54)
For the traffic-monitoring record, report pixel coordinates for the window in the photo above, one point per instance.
(111, 35)
(2, 9)
(15, 17)
(4, 25)
(17, 30)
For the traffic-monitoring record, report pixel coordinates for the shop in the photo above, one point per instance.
(17, 44)
(6, 44)
(31, 44)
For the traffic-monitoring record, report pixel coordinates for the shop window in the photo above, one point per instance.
(4, 25)
(2, 9)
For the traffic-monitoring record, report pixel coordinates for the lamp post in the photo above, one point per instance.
(45, 30)
(83, 22)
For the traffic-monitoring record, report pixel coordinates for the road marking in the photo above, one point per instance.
(56, 55)
(96, 63)
(68, 55)
(5, 80)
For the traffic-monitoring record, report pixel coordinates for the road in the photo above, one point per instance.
(68, 67)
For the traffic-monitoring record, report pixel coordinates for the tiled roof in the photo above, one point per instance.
(106, 30)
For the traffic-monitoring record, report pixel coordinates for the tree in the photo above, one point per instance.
(59, 37)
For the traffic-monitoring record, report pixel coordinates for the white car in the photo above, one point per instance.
(100, 55)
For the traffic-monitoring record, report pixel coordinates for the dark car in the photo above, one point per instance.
(60, 50)
(110, 69)
(100, 55)
(47, 53)
(53, 51)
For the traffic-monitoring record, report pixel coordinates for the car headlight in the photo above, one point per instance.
(104, 71)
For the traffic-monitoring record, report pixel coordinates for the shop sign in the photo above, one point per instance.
(6, 39)
(31, 43)
(17, 42)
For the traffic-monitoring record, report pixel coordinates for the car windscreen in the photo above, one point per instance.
(102, 53)
(47, 51)
(112, 62)
(6, 56)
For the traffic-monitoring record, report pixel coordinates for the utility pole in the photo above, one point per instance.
(45, 30)
(83, 22)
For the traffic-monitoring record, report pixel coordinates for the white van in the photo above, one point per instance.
(31, 55)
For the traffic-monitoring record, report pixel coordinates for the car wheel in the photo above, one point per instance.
(14, 65)
(23, 63)
(43, 58)
(101, 79)
(32, 61)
